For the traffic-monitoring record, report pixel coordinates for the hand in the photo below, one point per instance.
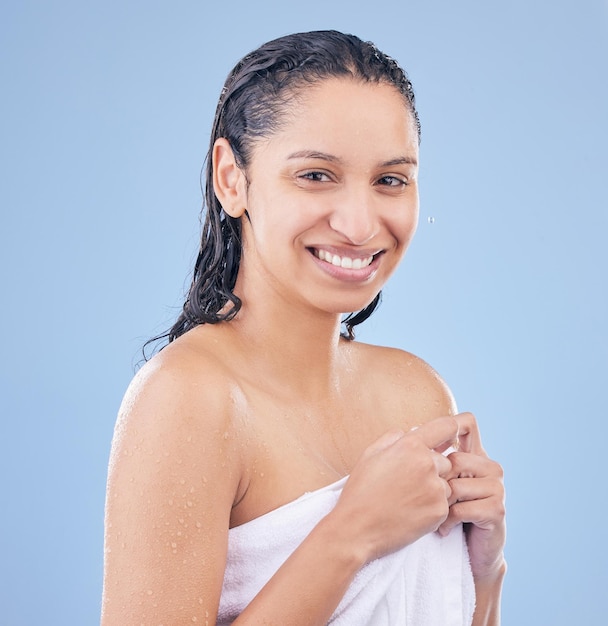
(477, 500)
(398, 491)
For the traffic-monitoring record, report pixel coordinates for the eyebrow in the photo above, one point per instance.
(404, 160)
(315, 154)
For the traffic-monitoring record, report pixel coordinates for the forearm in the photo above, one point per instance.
(308, 587)
(488, 593)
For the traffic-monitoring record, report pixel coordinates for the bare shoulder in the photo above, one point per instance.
(177, 417)
(408, 383)
(182, 390)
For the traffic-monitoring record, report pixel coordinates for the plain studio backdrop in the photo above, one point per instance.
(105, 113)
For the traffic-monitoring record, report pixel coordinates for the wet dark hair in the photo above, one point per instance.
(252, 106)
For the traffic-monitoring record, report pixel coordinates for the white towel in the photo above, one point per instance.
(428, 583)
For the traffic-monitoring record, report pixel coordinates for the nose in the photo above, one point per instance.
(355, 218)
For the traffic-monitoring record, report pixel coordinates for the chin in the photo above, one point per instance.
(352, 306)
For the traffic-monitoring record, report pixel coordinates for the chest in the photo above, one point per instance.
(296, 447)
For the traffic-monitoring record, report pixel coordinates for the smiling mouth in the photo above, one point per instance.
(342, 261)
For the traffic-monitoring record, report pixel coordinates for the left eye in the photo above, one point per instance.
(392, 181)
(316, 177)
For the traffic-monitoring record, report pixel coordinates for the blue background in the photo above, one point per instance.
(105, 114)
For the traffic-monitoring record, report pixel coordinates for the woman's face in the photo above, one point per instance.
(332, 197)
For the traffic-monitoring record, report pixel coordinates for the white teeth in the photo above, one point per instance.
(345, 262)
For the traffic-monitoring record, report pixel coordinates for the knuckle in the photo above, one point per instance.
(436, 494)
(455, 512)
(442, 509)
(455, 458)
(454, 489)
(500, 508)
(427, 464)
(500, 490)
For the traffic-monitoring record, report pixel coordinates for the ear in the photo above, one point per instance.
(229, 183)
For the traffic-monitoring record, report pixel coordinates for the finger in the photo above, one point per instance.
(467, 465)
(385, 441)
(448, 491)
(442, 464)
(484, 513)
(439, 433)
(467, 489)
(469, 439)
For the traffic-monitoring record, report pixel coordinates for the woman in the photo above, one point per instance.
(267, 468)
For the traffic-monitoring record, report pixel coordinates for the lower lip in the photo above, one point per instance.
(348, 274)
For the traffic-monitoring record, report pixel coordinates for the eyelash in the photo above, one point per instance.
(398, 182)
(318, 177)
(314, 177)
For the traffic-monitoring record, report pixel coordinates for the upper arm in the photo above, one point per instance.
(172, 480)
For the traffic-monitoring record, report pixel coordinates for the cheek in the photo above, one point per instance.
(266, 229)
(279, 216)
(404, 225)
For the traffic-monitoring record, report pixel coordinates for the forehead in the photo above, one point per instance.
(346, 117)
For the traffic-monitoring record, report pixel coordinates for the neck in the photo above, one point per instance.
(297, 349)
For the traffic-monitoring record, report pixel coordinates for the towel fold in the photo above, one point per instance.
(428, 583)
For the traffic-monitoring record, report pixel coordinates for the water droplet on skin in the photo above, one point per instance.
(431, 220)
(149, 592)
